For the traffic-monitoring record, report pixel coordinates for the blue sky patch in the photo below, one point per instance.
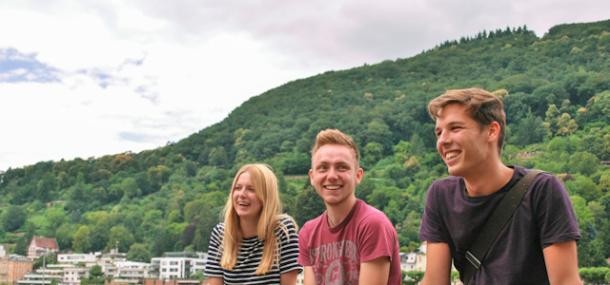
(20, 67)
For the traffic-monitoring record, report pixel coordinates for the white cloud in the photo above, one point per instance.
(133, 75)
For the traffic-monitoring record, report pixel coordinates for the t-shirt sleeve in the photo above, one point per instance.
(554, 212)
(378, 237)
(212, 266)
(304, 235)
(432, 228)
(289, 247)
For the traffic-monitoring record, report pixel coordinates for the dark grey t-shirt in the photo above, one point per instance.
(544, 217)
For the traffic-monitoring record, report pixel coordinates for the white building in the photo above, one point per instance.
(178, 265)
(132, 270)
(73, 274)
(108, 261)
(414, 260)
(42, 276)
(2, 251)
(88, 259)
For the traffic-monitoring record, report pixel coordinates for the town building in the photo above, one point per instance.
(43, 276)
(40, 246)
(88, 259)
(131, 270)
(13, 268)
(72, 274)
(178, 265)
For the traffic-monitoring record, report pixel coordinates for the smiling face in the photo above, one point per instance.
(335, 174)
(465, 146)
(245, 202)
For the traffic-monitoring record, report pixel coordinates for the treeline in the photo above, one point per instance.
(557, 94)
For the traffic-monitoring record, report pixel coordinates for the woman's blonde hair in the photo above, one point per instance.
(266, 188)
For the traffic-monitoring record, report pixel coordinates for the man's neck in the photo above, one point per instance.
(488, 180)
(338, 212)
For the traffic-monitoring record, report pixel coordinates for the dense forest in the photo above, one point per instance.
(557, 93)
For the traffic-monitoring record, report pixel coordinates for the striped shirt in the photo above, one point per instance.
(250, 255)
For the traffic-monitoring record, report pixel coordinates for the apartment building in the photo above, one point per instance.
(43, 276)
(131, 270)
(13, 268)
(87, 259)
(178, 265)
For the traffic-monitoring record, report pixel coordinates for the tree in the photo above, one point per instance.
(96, 276)
(584, 162)
(64, 235)
(373, 151)
(566, 125)
(81, 241)
(13, 218)
(138, 252)
(218, 156)
(550, 120)
(119, 237)
(409, 230)
(528, 130)
(308, 204)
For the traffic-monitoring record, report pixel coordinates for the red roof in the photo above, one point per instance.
(44, 242)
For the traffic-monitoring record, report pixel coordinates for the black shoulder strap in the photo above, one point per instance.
(499, 218)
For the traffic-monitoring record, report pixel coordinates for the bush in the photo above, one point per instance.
(594, 275)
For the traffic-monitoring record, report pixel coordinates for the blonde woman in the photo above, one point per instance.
(256, 243)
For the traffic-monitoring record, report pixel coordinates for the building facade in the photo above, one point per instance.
(13, 268)
(40, 246)
(178, 265)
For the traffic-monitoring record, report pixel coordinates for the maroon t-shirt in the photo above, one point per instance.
(335, 253)
(544, 217)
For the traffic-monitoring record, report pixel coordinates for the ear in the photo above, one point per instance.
(493, 131)
(359, 175)
(310, 173)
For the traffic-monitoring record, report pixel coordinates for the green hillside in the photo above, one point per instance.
(557, 93)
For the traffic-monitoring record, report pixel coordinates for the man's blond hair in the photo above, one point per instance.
(336, 137)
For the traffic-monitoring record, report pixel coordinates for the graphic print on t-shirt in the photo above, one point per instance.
(340, 260)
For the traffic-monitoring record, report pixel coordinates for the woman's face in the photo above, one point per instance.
(245, 202)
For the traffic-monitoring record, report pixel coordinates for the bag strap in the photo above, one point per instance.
(499, 218)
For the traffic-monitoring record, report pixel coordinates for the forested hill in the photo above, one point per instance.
(557, 93)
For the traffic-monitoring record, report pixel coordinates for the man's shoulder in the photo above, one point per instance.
(312, 223)
(449, 183)
(371, 215)
(543, 179)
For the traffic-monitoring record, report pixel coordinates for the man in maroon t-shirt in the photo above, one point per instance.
(351, 242)
(538, 245)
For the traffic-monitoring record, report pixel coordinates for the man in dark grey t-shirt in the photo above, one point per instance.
(538, 245)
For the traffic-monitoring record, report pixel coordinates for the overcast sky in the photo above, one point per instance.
(90, 78)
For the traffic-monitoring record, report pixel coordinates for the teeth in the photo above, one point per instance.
(332, 187)
(451, 155)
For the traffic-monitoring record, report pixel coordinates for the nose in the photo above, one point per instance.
(443, 138)
(239, 192)
(331, 174)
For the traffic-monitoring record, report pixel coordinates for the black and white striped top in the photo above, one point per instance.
(250, 254)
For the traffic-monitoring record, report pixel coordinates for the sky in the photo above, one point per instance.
(92, 78)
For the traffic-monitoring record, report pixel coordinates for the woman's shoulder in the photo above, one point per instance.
(218, 228)
(285, 223)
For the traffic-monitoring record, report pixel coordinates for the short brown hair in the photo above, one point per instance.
(483, 106)
(334, 136)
